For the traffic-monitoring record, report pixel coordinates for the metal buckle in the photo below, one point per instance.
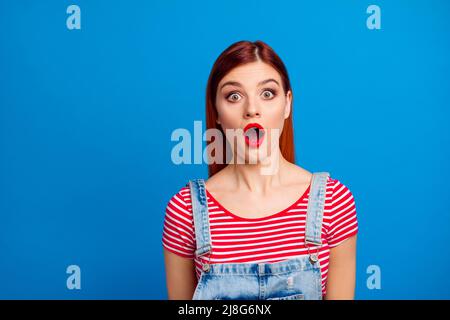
(206, 265)
(312, 242)
(313, 257)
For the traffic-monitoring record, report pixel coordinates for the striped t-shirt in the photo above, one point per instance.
(272, 238)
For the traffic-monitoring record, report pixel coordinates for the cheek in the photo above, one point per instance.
(274, 114)
(229, 116)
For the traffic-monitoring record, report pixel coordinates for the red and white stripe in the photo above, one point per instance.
(269, 239)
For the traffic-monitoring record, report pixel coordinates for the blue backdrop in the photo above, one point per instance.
(87, 115)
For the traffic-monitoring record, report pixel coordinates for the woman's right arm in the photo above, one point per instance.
(179, 247)
(180, 276)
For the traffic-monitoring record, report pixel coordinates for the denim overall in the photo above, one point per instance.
(297, 278)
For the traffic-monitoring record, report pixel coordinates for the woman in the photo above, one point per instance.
(246, 234)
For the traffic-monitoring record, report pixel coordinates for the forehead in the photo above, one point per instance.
(251, 73)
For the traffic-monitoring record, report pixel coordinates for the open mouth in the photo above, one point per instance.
(254, 134)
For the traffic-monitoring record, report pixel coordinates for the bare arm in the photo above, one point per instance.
(180, 276)
(342, 271)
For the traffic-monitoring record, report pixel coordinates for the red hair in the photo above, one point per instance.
(237, 54)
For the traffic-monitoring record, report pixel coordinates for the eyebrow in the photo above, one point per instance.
(237, 84)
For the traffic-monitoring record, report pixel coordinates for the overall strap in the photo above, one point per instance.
(316, 204)
(201, 216)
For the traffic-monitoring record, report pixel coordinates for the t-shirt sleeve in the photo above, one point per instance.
(178, 231)
(343, 220)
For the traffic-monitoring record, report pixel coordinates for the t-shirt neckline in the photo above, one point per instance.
(221, 207)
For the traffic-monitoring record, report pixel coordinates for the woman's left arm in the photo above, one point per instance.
(342, 271)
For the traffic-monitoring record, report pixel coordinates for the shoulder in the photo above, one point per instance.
(338, 190)
(298, 175)
(340, 217)
(339, 198)
(340, 202)
(180, 202)
(178, 231)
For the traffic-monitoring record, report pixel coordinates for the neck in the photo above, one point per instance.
(251, 177)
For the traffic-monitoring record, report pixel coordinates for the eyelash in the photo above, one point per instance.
(274, 92)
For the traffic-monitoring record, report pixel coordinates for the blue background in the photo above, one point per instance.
(86, 119)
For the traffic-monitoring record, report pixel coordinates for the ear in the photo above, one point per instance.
(217, 120)
(287, 107)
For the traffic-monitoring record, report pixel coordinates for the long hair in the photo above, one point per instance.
(237, 54)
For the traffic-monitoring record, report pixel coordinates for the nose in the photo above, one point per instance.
(251, 111)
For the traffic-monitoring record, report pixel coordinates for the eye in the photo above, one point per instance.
(268, 94)
(233, 97)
